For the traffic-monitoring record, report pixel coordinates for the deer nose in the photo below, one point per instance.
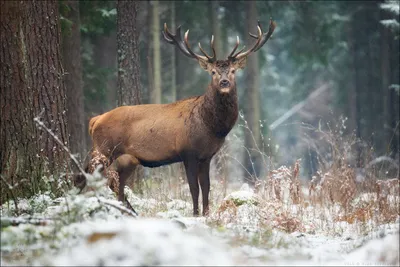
(224, 83)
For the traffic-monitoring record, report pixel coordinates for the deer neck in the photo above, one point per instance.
(219, 112)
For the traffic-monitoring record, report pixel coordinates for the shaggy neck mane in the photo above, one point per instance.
(219, 111)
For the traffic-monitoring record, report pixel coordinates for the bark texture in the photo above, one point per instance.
(129, 92)
(73, 80)
(31, 82)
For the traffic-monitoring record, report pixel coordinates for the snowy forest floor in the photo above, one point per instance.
(281, 222)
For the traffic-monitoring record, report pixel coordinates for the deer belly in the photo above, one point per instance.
(154, 152)
(153, 164)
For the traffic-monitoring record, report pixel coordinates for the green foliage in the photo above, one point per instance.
(97, 17)
(65, 23)
(95, 78)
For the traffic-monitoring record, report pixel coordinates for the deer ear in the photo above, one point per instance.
(206, 65)
(240, 63)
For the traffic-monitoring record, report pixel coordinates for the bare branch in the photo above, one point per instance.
(121, 208)
(74, 160)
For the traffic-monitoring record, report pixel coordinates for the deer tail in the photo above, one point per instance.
(91, 124)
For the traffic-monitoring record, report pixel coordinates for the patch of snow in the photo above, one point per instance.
(383, 251)
(140, 204)
(142, 242)
(244, 195)
(169, 214)
(178, 204)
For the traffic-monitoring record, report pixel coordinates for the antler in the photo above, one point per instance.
(267, 35)
(184, 46)
(261, 40)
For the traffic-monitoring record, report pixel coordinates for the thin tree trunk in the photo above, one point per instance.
(105, 57)
(352, 90)
(156, 92)
(73, 80)
(181, 61)
(128, 54)
(173, 56)
(395, 100)
(358, 84)
(385, 80)
(149, 56)
(252, 102)
(181, 70)
(220, 159)
(31, 82)
(216, 28)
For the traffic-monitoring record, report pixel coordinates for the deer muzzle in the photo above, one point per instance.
(224, 83)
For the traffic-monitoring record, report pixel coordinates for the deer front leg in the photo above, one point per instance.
(204, 180)
(192, 170)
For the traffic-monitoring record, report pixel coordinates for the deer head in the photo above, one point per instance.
(221, 71)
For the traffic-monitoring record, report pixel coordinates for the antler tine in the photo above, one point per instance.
(213, 58)
(266, 36)
(234, 48)
(253, 35)
(238, 52)
(190, 50)
(245, 54)
(176, 39)
(166, 34)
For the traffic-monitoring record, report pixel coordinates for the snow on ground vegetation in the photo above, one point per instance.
(279, 222)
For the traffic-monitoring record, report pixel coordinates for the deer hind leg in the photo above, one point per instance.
(124, 165)
(204, 180)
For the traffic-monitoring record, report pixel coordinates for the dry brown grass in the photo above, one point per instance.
(378, 199)
(334, 186)
(333, 195)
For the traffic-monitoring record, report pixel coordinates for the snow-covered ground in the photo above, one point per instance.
(93, 229)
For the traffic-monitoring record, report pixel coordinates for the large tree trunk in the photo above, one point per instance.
(73, 80)
(156, 92)
(129, 92)
(128, 53)
(31, 82)
(252, 103)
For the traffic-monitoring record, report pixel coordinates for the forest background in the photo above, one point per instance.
(327, 83)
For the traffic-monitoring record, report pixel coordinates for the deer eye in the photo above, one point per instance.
(232, 71)
(213, 72)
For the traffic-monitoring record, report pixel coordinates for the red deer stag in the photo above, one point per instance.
(189, 131)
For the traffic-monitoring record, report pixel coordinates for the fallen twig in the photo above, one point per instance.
(119, 207)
